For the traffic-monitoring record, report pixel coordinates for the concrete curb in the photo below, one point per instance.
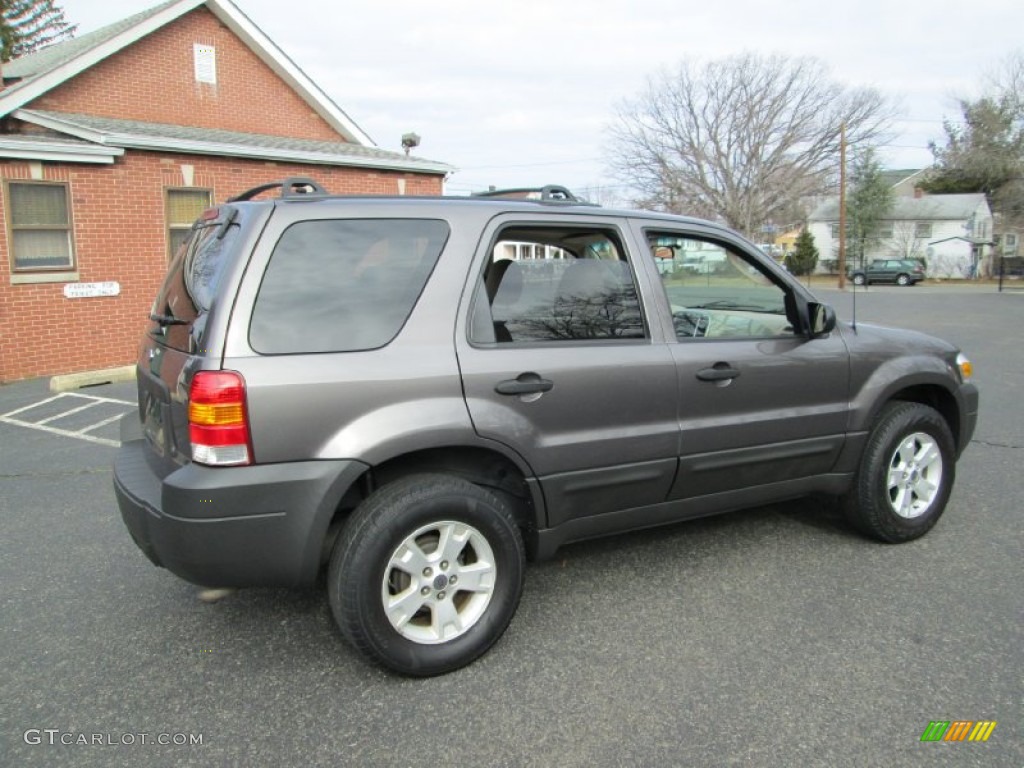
(69, 381)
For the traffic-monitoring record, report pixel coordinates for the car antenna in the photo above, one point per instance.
(853, 319)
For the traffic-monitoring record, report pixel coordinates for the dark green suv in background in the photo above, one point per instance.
(898, 271)
(418, 394)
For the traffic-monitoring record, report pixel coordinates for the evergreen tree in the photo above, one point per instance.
(26, 25)
(985, 153)
(804, 257)
(869, 201)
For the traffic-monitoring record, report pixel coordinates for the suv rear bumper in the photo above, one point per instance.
(263, 525)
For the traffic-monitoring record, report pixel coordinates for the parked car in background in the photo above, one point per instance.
(898, 271)
(704, 263)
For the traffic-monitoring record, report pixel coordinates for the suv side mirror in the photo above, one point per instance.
(822, 319)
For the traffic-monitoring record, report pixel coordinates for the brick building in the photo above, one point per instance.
(110, 145)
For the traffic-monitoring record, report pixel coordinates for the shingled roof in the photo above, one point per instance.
(133, 134)
(31, 76)
(926, 208)
(51, 57)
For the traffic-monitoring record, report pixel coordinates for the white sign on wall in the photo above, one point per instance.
(90, 290)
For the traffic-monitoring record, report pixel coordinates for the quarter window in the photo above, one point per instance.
(40, 225)
(342, 285)
(184, 206)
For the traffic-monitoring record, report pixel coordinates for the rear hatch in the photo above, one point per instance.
(180, 338)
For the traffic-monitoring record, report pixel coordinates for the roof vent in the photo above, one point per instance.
(205, 58)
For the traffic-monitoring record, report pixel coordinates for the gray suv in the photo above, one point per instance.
(420, 394)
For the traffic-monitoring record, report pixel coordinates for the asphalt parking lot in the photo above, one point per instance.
(771, 637)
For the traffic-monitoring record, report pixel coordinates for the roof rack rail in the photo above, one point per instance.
(549, 193)
(291, 188)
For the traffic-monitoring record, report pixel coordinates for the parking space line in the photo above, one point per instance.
(97, 398)
(32, 405)
(66, 413)
(99, 424)
(43, 425)
(63, 432)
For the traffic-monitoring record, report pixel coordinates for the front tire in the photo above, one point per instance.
(905, 475)
(860, 280)
(427, 574)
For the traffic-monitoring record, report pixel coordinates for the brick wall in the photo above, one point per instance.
(154, 81)
(120, 233)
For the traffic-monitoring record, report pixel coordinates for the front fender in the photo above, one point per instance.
(898, 375)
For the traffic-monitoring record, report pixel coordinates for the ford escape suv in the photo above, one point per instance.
(420, 394)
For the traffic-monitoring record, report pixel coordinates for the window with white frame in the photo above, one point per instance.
(922, 229)
(39, 217)
(184, 206)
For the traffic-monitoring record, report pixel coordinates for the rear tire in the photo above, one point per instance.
(427, 574)
(902, 280)
(905, 475)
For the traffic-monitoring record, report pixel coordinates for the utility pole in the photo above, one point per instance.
(842, 206)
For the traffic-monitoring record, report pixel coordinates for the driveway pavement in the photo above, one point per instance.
(771, 637)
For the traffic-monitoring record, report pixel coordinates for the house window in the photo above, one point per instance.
(884, 231)
(184, 206)
(833, 229)
(40, 225)
(923, 229)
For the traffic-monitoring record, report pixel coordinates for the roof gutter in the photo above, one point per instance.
(57, 152)
(271, 153)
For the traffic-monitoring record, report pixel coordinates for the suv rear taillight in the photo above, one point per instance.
(218, 421)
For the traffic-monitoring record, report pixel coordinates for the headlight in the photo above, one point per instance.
(966, 369)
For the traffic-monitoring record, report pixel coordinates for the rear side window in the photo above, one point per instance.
(343, 285)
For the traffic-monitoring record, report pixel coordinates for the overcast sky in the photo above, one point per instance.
(519, 92)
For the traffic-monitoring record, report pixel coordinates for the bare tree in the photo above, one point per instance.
(739, 139)
(1008, 80)
(906, 242)
(602, 194)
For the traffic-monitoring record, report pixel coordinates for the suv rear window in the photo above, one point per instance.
(193, 277)
(343, 285)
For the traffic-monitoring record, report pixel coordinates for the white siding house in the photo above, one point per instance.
(951, 233)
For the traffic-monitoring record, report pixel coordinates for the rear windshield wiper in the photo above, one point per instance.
(168, 319)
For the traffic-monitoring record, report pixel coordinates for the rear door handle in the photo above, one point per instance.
(718, 372)
(524, 384)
